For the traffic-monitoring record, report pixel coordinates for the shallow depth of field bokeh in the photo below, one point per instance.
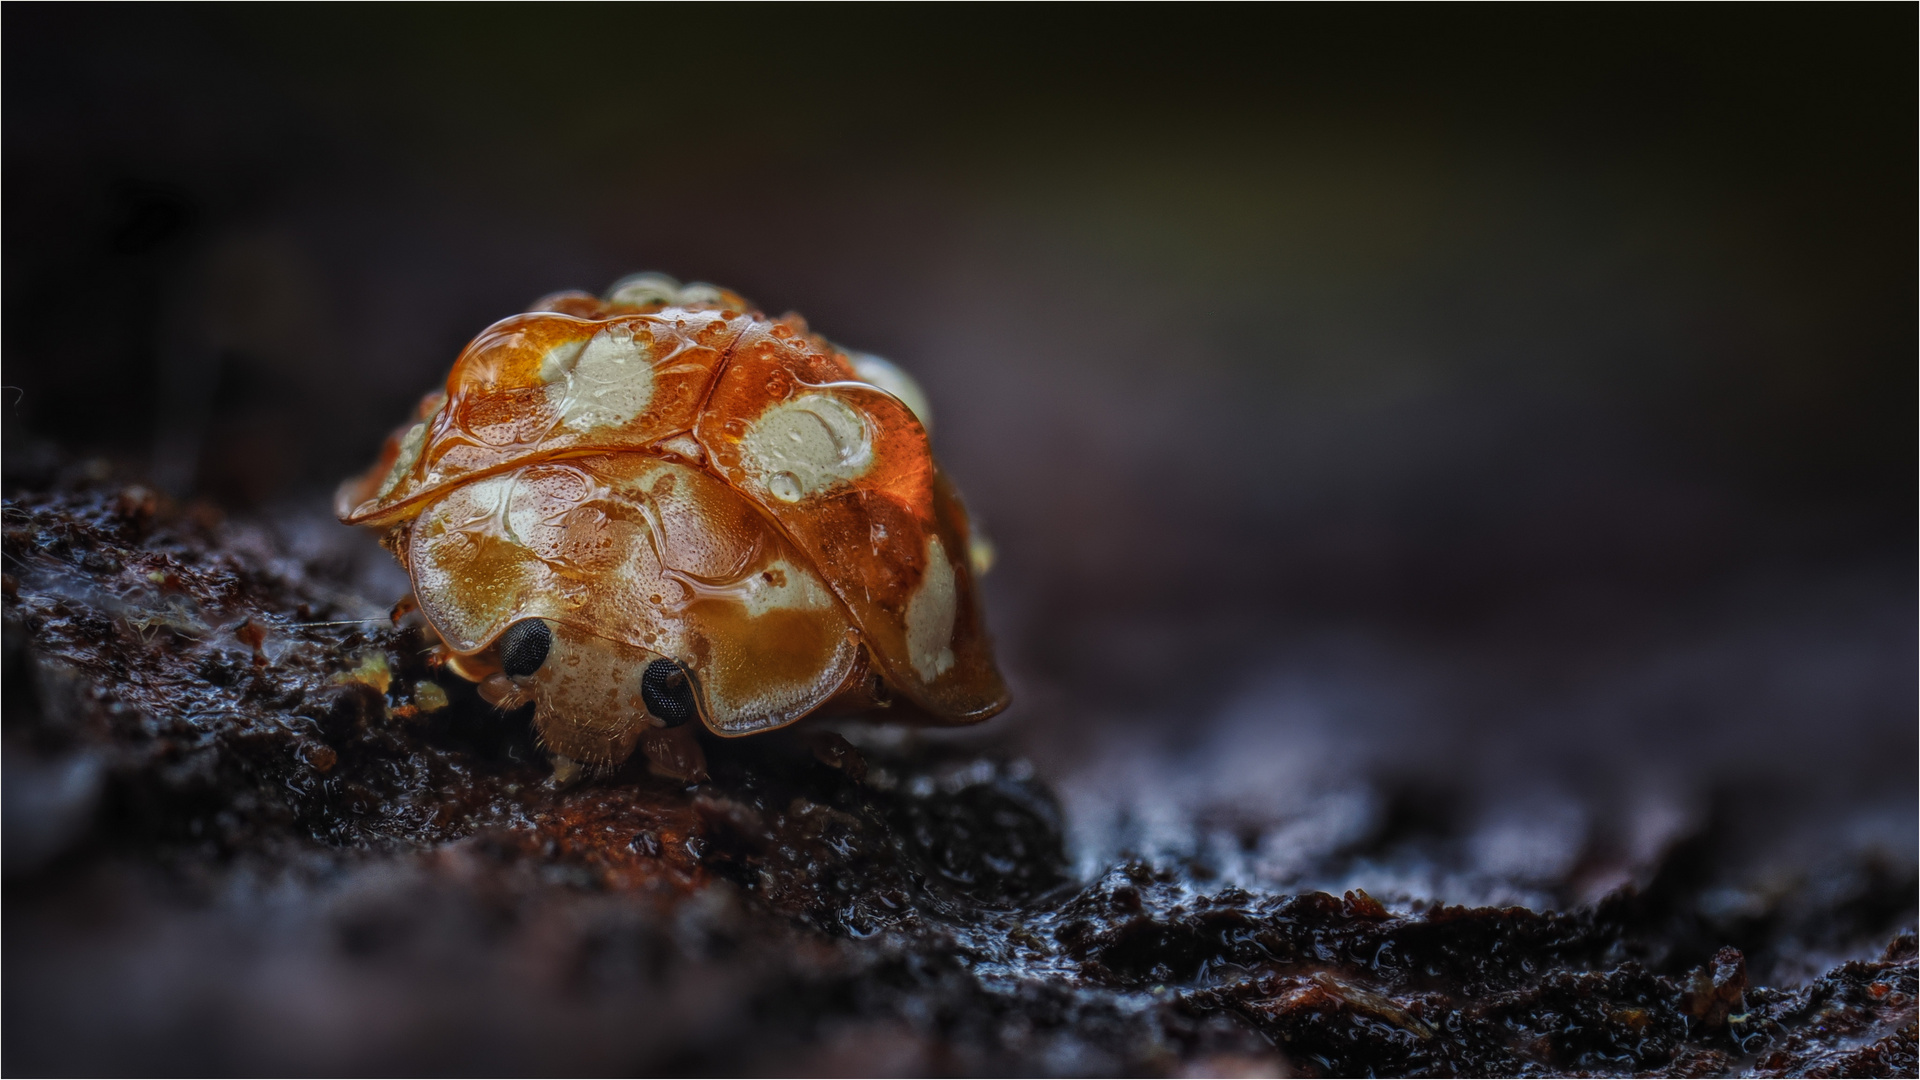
(1488, 432)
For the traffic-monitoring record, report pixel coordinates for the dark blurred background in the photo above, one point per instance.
(1480, 432)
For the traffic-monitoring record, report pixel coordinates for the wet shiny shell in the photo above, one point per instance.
(698, 482)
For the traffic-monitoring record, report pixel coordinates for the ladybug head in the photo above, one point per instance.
(594, 697)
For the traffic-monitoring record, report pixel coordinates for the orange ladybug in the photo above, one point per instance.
(659, 506)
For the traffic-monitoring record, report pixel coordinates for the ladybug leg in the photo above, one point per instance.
(673, 753)
(402, 608)
(566, 772)
(830, 748)
(503, 693)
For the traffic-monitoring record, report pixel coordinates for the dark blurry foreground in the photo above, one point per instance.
(256, 843)
(1452, 458)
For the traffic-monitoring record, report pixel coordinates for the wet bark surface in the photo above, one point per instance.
(248, 829)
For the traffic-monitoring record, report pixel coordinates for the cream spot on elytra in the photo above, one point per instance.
(930, 616)
(804, 446)
(778, 586)
(602, 383)
(784, 587)
(410, 445)
(686, 446)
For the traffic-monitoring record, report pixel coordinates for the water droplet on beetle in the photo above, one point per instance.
(784, 487)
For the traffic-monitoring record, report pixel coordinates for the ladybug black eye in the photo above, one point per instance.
(668, 692)
(523, 648)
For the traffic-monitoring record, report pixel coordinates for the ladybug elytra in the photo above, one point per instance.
(661, 506)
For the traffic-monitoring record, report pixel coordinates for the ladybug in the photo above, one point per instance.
(660, 506)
